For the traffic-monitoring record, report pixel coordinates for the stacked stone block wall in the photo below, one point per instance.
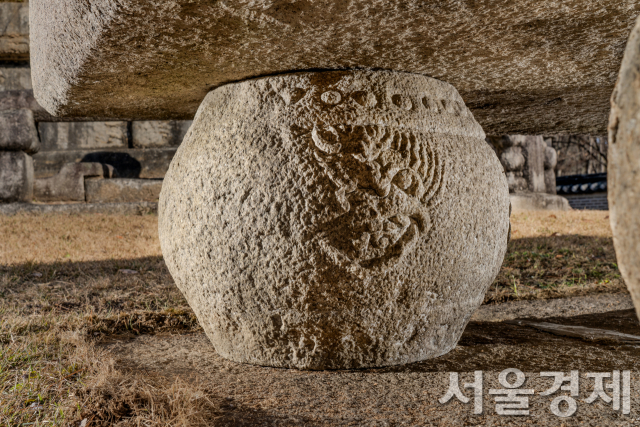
(47, 159)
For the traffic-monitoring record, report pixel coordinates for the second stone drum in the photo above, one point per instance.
(334, 220)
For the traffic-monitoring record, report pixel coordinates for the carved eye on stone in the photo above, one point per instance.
(366, 99)
(331, 97)
(326, 139)
(402, 101)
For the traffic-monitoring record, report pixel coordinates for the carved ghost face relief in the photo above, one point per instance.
(383, 174)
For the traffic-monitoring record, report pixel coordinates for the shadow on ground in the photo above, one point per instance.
(408, 394)
(500, 345)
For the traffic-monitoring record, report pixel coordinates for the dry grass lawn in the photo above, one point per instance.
(68, 281)
(557, 254)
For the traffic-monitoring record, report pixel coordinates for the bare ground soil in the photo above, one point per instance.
(92, 328)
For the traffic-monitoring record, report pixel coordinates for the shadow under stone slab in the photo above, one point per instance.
(402, 395)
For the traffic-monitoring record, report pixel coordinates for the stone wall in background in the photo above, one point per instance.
(46, 159)
(14, 31)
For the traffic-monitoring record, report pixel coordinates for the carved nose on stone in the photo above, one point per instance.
(370, 176)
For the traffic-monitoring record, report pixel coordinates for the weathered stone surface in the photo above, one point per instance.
(522, 66)
(623, 172)
(14, 31)
(538, 202)
(68, 185)
(18, 131)
(140, 163)
(334, 220)
(122, 190)
(157, 133)
(22, 99)
(550, 162)
(15, 78)
(16, 177)
(523, 158)
(79, 135)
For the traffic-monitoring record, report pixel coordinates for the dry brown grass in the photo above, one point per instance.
(62, 288)
(59, 378)
(61, 276)
(557, 254)
(46, 239)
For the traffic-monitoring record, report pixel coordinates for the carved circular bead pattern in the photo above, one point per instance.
(334, 220)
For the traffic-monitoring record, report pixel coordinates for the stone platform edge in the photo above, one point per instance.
(140, 208)
(538, 202)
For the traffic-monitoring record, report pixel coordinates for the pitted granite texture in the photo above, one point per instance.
(522, 66)
(334, 220)
(623, 169)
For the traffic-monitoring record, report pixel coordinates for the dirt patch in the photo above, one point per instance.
(561, 307)
(402, 395)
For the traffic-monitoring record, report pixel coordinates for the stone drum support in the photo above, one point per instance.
(334, 220)
(623, 170)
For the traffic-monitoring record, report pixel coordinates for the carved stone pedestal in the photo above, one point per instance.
(334, 220)
(529, 166)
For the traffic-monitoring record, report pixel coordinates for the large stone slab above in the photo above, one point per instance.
(14, 31)
(141, 163)
(83, 135)
(623, 171)
(522, 66)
